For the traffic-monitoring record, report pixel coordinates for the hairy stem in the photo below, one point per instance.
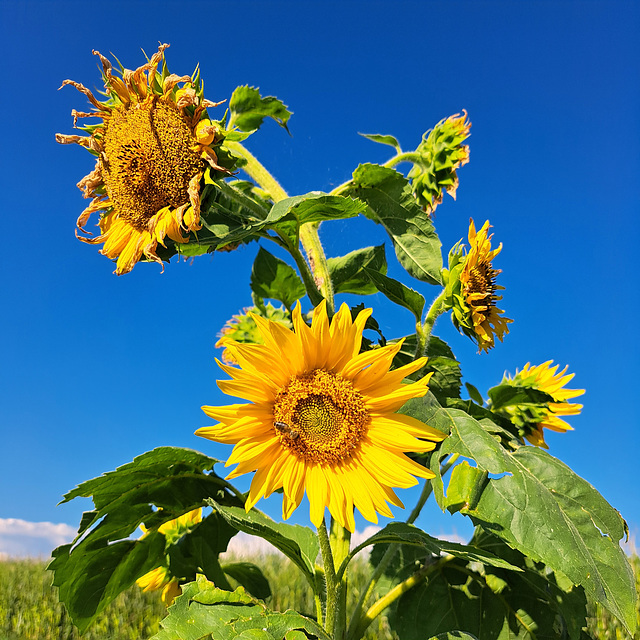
(340, 543)
(308, 232)
(330, 578)
(437, 308)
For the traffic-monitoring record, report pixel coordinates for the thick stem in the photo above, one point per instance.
(407, 156)
(330, 578)
(308, 232)
(340, 543)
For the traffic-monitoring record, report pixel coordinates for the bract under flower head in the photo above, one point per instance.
(153, 146)
(532, 420)
(471, 290)
(160, 577)
(321, 418)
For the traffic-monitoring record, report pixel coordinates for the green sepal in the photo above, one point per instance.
(300, 544)
(391, 203)
(474, 394)
(249, 109)
(436, 159)
(348, 274)
(275, 279)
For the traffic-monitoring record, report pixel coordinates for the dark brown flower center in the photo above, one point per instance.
(321, 417)
(148, 160)
(482, 280)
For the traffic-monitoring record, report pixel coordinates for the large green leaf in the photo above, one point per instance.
(347, 272)
(249, 109)
(392, 204)
(203, 610)
(539, 506)
(489, 602)
(273, 278)
(398, 292)
(299, 544)
(403, 533)
(157, 486)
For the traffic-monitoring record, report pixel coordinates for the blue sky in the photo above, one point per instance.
(97, 369)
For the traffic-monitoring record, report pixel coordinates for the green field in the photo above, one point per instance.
(29, 607)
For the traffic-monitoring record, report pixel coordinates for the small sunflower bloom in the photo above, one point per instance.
(152, 149)
(532, 420)
(471, 289)
(160, 577)
(322, 418)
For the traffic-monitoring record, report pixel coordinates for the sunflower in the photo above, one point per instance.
(471, 289)
(153, 146)
(322, 418)
(532, 420)
(160, 577)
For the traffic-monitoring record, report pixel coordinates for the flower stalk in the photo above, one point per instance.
(309, 236)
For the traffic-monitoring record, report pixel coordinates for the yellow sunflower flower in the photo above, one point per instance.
(160, 577)
(321, 418)
(152, 147)
(471, 290)
(532, 420)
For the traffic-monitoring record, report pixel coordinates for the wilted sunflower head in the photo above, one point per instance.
(471, 289)
(160, 577)
(531, 418)
(153, 146)
(322, 417)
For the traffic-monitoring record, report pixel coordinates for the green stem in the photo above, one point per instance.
(437, 308)
(389, 598)
(407, 156)
(308, 232)
(330, 578)
(389, 554)
(340, 543)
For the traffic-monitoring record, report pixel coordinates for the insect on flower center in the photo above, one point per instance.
(149, 157)
(321, 417)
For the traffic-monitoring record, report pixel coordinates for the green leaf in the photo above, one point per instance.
(347, 272)
(299, 544)
(383, 139)
(315, 206)
(398, 292)
(250, 577)
(273, 278)
(488, 602)
(157, 486)
(403, 533)
(447, 376)
(203, 610)
(541, 507)
(474, 394)
(249, 109)
(392, 204)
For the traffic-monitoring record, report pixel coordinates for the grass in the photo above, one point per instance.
(29, 607)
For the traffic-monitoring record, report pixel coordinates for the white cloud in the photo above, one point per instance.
(23, 539)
